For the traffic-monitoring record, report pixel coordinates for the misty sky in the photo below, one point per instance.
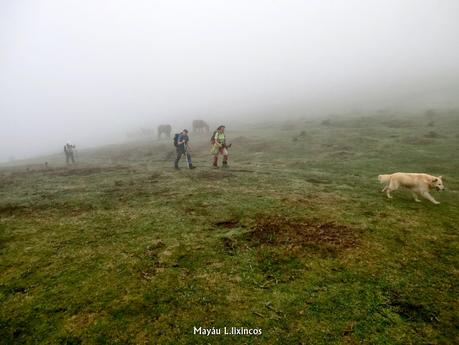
(87, 70)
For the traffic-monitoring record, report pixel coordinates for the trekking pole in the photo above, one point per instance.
(186, 156)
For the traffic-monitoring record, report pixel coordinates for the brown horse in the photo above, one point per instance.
(200, 126)
(166, 129)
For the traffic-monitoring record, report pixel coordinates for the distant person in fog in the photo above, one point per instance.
(69, 152)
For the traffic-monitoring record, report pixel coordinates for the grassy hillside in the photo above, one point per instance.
(294, 239)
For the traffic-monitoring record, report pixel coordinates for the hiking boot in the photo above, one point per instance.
(176, 167)
(192, 166)
(225, 165)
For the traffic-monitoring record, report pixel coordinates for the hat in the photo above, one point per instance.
(221, 126)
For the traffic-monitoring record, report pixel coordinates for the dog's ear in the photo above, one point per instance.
(440, 177)
(435, 179)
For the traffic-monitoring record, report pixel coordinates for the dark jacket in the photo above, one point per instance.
(182, 137)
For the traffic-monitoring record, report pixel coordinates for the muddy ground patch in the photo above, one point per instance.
(296, 235)
(280, 230)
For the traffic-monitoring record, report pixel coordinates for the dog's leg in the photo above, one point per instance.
(429, 197)
(388, 190)
(415, 196)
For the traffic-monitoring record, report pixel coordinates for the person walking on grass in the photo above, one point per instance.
(183, 147)
(69, 150)
(219, 147)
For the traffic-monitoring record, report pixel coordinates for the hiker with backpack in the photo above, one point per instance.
(69, 149)
(182, 145)
(219, 147)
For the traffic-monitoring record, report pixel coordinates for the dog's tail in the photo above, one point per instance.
(384, 178)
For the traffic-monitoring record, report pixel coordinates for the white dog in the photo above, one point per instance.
(418, 184)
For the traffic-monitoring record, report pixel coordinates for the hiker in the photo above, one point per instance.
(219, 147)
(68, 150)
(181, 142)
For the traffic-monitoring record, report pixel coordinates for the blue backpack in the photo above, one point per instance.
(176, 136)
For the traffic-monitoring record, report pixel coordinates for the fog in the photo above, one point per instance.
(89, 71)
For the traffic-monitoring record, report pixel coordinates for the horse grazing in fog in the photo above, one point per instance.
(200, 126)
(166, 129)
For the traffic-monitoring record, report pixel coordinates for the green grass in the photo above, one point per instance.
(295, 239)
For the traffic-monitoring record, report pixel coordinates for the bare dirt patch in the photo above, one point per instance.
(228, 224)
(279, 230)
